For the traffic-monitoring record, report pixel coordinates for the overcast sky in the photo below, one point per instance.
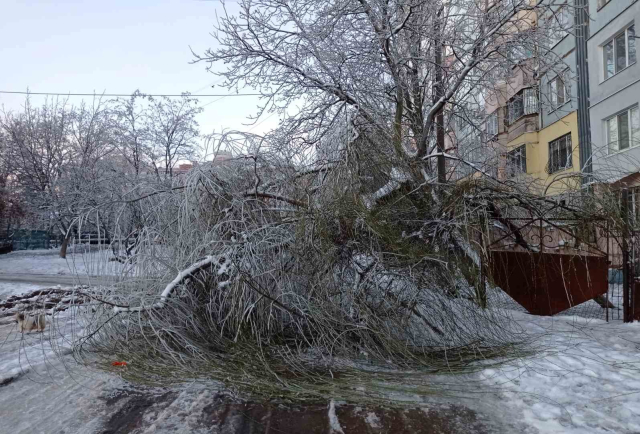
(115, 47)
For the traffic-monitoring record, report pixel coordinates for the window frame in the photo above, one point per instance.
(568, 146)
(600, 6)
(553, 95)
(530, 97)
(558, 17)
(527, 100)
(492, 120)
(613, 42)
(516, 103)
(516, 163)
(629, 133)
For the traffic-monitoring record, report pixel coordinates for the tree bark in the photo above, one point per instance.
(65, 243)
(397, 126)
(437, 95)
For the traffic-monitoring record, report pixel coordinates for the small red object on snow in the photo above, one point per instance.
(119, 364)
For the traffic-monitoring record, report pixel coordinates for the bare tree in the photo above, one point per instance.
(38, 148)
(172, 130)
(132, 133)
(90, 173)
(397, 64)
(58, 161)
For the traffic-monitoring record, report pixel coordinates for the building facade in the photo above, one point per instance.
(614, 82)
(538, 120)
(533, 119)
(556, 157)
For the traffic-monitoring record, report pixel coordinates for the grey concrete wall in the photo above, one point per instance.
(600, 18)
(615, 94)
(626, 161)
(549, 114)
(599, 87)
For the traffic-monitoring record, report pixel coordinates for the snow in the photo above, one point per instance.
(175, 282)
(48, 261)
(334, 423)
(397, 178)
(42, 392)
(15, 288)
(373, 420)
(586, 380)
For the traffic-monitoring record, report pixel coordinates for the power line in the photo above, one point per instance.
(213, 83)
(127, 94)
(262, 121)
(215, 100)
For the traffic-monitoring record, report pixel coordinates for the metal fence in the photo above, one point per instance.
(30, 239)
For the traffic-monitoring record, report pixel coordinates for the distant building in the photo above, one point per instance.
(221, 157)
(184, 168)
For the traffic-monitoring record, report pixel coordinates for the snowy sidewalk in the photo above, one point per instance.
(50, 263)
(587, 380)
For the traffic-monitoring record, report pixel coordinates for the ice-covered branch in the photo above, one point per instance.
(166, 293)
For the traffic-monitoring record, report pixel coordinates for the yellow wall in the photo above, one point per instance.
(538, 155)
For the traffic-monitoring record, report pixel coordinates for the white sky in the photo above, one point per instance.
(116, 47)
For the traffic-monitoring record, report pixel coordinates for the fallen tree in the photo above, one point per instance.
(280, 278)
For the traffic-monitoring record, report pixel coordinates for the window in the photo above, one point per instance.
(516, 108)
(492, 124)
(523, 103)
(516, 54)
(560, 154)
(558, 91)
(560, 24)
(517, 161)
(634, 203)
(530, 101)
(623, 130)
(619, 52)
(602, 3)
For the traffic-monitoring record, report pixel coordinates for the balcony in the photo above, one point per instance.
(525, 124)
(522, 113)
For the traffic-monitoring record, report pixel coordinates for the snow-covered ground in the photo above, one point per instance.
(13, 288)
(42, 389)
(48, 261)
(585, 379)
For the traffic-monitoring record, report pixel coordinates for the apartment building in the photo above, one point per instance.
(533, 117)
(556, 157)
(537, 130)
(614, 85)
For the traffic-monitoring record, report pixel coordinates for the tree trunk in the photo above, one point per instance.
(397, 126)
(437, 94)
(63, 247)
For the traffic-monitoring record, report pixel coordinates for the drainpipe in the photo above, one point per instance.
(584, 125)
